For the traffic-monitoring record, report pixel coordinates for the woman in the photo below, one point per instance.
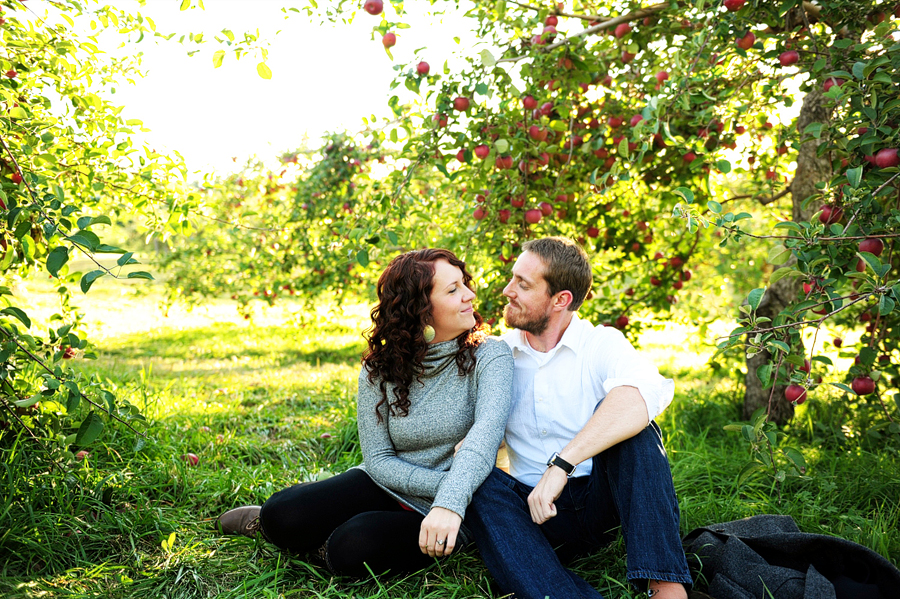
(431, 377)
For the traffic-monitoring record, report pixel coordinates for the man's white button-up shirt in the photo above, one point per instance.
(555, 393)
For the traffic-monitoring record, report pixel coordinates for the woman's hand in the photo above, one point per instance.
(437, 536)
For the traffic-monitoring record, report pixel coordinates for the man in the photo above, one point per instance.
(585, 455)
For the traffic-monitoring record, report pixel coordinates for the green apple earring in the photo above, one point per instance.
(428, 333)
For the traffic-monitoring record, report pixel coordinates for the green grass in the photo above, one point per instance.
(268, 388)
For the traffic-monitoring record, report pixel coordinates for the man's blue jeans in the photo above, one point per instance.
(630, 487)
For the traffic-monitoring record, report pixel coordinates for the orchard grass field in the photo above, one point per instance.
(269, 401)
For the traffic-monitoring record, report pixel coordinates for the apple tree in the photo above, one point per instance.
(69, 168)
(671, 139)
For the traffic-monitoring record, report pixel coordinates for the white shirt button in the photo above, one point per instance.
(544, 432)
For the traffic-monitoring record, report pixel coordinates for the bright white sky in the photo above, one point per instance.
(325, 78)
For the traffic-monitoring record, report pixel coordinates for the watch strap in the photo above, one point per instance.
(557, 461)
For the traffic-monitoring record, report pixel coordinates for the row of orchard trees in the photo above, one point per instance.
(662, 136)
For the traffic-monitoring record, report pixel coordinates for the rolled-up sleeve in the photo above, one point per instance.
(618, 364)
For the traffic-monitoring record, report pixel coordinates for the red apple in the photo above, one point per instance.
(593, 232)
(546, 108)
(548, 34)
(654, 281)
(860, 265)
(389, 39)
(546, 208)
(689, 157)
(662, 76)
(863, 385)
(479, 213)
(788, 58)
(873, 245)
(461, 104)
(503, 216)
(795, 394)
(461, 155)
(734, 5)
(635, 120)
(838, 342)
(865, 317)
(629, 292)
(11, 73)
(562, 198)
(551, 21)
(16, 178)
(831, 214)
(482, 151)
(81, 455)
(686, 275)
(677, 285)
(740, 129)
(746, 42)
(529, 103)
(887, 158)
(831, 82)
(806, 367)
(533, 216)
(537, 133)
(422, 68)
(440, 120)
(191, 459)
(373, 7)
(621, 322)
(622, 29)
(675, 261)
(627, 56)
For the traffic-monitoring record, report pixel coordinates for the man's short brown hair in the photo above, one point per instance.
(566, 267)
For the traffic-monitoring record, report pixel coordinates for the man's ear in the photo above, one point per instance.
(562, 300)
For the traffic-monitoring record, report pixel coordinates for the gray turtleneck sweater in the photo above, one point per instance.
(411, 456)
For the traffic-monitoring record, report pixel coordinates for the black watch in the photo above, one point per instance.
(557, 461)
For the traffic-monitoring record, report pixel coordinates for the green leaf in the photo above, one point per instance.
(57, 259)
(854, 176)
(28, 401)
(487, 59)
(778, 255)
(28, 246)
(714, 207)
(764, 374)
(872, 260)
(125, 259)
(885, 305)
(89, 430)
(858, 70)
(264, 71)
(796, 458)
(781, 273)
(779, 344)
(218, 57)
(724, 166)
(88, 279)
(684, 193)
(362, 256)
(789, 225)
(392, 237)
(842, 386)
(140, 274)
(749, 470)
(755, 297)
(17, 313)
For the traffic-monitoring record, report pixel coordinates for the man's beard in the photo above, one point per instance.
(534, 324)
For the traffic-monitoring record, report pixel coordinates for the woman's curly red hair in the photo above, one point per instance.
(397, 345)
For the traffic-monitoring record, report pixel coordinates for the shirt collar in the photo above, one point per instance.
(571, 337)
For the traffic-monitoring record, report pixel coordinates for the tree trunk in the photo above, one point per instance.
(810, 170)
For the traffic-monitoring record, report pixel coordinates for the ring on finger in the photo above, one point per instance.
(440, 542)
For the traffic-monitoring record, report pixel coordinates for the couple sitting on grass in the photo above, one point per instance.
(574, 402)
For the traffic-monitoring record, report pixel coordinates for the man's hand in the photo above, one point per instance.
(548, 490)
(437, 535)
